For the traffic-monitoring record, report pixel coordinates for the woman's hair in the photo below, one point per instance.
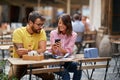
(34, 15)
(66, 19)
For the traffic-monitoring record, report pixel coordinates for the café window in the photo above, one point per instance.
(115, 27)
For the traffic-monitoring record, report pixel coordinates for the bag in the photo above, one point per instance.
(90, 53)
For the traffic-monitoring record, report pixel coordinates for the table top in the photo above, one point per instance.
(6, 36)
(76, 58)
(116, 41)
(89, 41)
(5, 47)
(20, 61)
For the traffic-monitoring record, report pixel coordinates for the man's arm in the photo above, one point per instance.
(41, 47)
(20, 49)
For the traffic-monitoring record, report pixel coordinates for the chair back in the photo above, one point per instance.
(81, 35)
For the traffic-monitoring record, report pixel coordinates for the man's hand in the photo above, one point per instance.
(22, 51)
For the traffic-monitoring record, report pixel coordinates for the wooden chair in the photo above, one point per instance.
(5, 43)
(6, 39)
(115, 52)
(89, 39)
(93, 63)
(79, 44)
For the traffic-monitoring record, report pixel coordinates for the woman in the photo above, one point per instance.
(65, 45)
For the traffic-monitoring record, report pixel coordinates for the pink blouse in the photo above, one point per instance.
(67, 42)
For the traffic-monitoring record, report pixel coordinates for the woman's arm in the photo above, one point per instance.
(69, 47)
(62, 50)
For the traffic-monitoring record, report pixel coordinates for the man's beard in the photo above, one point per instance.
(35, 31)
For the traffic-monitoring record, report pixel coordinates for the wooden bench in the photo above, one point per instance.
(45, 68)
(94, 63)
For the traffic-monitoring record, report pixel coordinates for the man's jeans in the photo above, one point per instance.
(70, 67)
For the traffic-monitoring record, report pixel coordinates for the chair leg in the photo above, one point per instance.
(116, 61)
(79, 47)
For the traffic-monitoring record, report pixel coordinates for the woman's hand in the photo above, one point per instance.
(58, 44)
(57, 47)
(54, 47)
(60, 49)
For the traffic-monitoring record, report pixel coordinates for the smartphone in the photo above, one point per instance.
(57, 40)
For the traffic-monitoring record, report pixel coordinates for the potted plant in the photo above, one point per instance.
(3, 75)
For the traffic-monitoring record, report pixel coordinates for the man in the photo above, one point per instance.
(79, 28)
(25, 39)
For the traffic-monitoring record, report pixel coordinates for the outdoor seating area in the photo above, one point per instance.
(103, 70)
(103, 66)
(90, 71)
(59, 40)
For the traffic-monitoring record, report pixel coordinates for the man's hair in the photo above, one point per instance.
(76, 17)
(34, 15)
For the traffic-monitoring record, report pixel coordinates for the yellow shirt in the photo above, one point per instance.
(21, 35)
